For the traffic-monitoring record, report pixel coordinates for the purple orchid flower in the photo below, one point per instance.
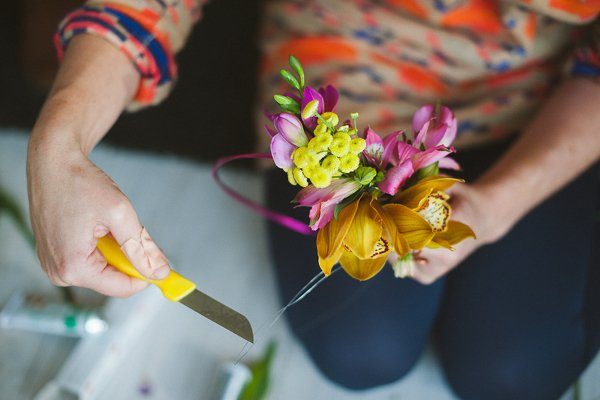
(323, 201)
(281, 151)
(288, 135)
(327, 98)
(290, 127)
(330, 98)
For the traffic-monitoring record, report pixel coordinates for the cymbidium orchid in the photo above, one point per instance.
(360, 239)
(422, 215)
(365, 232)
(369, 196)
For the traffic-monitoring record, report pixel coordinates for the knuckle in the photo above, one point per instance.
(120, 209)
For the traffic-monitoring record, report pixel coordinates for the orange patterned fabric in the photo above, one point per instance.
(492, 61)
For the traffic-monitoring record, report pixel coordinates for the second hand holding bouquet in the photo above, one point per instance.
(369, 196)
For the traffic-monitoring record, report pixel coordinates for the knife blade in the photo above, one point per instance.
(177, 288)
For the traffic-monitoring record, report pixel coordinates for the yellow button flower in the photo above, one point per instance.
(331, 163)
(331, 117)
(349, 163)
(303, 157)
(320, 143)
(299, 177)
(342, 136)
(357, 145)
(320, 129)
(310, 109)
(320, 177)
(339, 147)
(308, 170)
(290, 176)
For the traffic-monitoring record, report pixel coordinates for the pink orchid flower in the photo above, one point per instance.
(323, 201)
(382, 152)
(434, 129)
(435, 132)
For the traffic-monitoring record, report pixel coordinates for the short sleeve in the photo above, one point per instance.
(148, 32)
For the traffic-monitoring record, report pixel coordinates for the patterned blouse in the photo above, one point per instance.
(493, 62)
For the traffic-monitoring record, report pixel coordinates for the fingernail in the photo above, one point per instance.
(162, 272)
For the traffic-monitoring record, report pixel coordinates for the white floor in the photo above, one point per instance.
(165, 348)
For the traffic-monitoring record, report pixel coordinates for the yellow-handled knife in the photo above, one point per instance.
(178, 288)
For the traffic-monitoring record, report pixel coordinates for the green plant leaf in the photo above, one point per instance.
(289, 78)
(430, 170)
(291, 108)
(258, 386)
(284, 100)
(365, 175)
(297, 67)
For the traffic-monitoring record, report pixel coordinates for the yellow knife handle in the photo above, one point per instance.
(174, 287)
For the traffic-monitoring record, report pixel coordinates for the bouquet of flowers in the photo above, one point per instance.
(369, 196)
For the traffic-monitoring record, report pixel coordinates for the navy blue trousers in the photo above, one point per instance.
(519, 319)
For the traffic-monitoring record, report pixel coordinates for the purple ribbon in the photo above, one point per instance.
(284, 220)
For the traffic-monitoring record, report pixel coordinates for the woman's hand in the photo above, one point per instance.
(72, 202)
(560, 143)
(468, 206)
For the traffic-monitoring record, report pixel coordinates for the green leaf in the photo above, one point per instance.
(430, 170)
(284, 100)
(287, 104)
(365, 175)
(10, 206)
(289, 78)
(258, 386)
(291, 108)
(297, 67)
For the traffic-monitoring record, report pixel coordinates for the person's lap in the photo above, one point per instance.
(513, 321)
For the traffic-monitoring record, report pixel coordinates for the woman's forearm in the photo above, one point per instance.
(94, 84)
(561, 142)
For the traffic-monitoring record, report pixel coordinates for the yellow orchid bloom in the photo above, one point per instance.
(365, 232)
(422, 214)
(360, 239)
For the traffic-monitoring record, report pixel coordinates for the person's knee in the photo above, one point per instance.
(501, 377)
(363, 365)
